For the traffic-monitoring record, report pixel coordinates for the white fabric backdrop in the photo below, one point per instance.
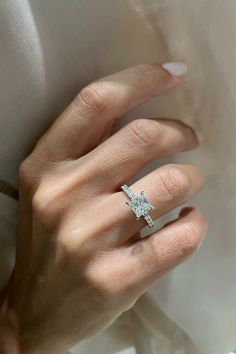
(51, 49)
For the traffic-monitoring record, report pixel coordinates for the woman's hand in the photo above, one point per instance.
(80, 261)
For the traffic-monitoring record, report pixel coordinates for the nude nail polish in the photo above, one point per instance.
(175, 68)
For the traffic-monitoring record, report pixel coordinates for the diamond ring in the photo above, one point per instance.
(139, 204)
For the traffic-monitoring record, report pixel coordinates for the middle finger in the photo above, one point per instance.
(125, 153)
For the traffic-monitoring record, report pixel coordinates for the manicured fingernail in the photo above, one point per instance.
(176, 69)
(199, 134)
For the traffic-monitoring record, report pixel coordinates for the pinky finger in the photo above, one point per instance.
(162, 251)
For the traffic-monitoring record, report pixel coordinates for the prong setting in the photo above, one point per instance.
(139, 204)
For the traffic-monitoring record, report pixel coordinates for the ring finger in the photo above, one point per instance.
(166, 188)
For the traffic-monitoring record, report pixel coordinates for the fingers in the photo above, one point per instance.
(152, 257)
(166, 188)
(80, 127)
(125, 153)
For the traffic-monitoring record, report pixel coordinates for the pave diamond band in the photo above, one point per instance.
(139, 204)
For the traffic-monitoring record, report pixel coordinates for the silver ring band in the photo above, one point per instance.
(139, 204)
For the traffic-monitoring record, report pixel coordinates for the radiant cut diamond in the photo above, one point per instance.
(139, 204)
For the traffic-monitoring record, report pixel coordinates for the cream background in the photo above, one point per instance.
(49, 51)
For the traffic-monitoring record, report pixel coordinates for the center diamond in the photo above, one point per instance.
(140, 205)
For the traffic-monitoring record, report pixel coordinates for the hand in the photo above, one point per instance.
(80, 261)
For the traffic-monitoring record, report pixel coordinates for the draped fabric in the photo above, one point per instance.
(49, 51)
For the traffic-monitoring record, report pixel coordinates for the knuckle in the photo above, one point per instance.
(100, 276)
(175, 182)
(40, 202)
(45, 205)
(67, 250)
(145, 132)
(92, 97)
(101, 285)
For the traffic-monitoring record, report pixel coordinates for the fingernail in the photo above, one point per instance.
(199, 134)
(175, 69)
(185, 211)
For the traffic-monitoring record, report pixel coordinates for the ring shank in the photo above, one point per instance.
(128, 191)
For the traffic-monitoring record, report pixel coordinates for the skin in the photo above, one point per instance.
(80, 261)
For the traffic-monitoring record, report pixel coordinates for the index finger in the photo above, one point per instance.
(79, 128)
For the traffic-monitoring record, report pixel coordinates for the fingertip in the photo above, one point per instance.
(195, 220)
(174, 73)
